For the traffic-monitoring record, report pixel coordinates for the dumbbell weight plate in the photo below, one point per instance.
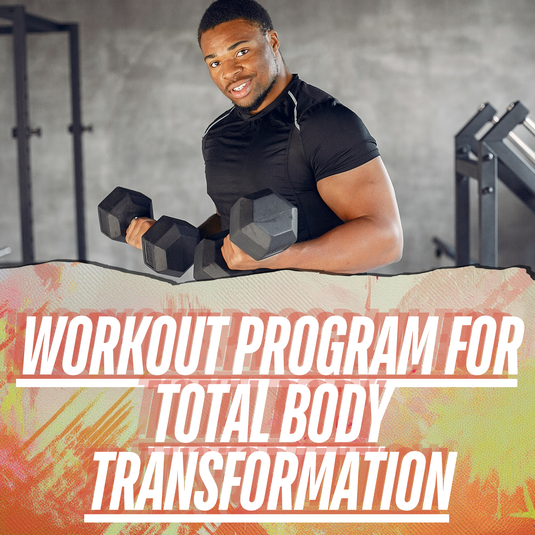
(116, 211)
(169, 246)
(263, 224)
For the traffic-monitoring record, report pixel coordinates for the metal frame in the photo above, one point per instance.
(465, 167)
(498, 154)
(22, 24)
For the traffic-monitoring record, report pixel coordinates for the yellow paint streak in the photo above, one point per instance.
(492, 426)
(530, 513)
(12, 402)
(105, 417)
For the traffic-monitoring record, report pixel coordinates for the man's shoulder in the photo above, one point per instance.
(314, 103)
(311, 94)
(308, 96)
(319, 111)
(219, 120)
(331, 132)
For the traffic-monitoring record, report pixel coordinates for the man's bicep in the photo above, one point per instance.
(365, 191)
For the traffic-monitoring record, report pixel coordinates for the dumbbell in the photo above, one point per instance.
(262, 224)
(168, 246)
(209, 262)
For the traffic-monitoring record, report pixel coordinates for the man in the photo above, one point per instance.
(297, 140)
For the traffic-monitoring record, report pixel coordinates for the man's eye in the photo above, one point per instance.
(214, 64)
(242, 52)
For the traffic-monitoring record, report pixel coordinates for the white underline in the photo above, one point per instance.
(397, 383)
(452, 383)
(268, 518)
(79, 383)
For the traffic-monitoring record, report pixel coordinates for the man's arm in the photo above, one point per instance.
(370, 237)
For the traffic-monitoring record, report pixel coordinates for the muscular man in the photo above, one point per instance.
(297, 140)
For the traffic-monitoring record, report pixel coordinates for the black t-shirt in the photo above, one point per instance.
(301, 137)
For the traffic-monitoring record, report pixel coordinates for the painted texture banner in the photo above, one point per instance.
(277, 403)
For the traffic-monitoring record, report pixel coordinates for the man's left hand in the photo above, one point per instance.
(238, 259)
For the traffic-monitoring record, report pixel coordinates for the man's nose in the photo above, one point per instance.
(231, 68)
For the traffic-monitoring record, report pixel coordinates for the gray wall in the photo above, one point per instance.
(414, 70)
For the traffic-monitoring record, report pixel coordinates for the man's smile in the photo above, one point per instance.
(241, 88)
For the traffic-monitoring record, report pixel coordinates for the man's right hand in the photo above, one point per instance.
(137, 228)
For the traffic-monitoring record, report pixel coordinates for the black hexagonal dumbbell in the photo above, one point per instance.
(117, 210)
(209, 262)
(168, 246)
(261, 224)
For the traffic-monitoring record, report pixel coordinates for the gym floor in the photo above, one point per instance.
(414, 71)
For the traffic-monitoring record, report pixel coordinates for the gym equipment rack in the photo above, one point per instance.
(497, 153)
(22, 24)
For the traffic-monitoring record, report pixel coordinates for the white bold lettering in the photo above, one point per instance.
(297, 342)
(104, 458)
(72, 336)
(274, 348)
(243, 346)
(42, 345)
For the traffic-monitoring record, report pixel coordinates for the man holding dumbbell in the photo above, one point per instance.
(297, 140)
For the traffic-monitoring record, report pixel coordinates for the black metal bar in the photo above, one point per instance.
(443, 248)
(9, 30)
(23, 142)
(77, 129)
(466, 143)
(515, 114)
(488, 225)
(517, 186)
(10, 264)
(462, 220)
(44, 25)
(516, 163)
(466, 167)
(465, 140)
(33, 23)
(7, 12)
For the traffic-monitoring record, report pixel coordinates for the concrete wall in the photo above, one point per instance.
(414, 70)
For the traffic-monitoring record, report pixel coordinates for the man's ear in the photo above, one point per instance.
(273, 39)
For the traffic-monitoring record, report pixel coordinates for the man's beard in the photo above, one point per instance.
(260, 98)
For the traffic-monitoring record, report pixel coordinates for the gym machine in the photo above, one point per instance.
(22, 24)
(486, 149)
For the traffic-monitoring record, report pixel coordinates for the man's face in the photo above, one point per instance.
(242, 62)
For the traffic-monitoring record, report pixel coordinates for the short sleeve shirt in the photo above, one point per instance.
(303, 136)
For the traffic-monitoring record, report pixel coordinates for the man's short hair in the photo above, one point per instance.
(226, 10)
